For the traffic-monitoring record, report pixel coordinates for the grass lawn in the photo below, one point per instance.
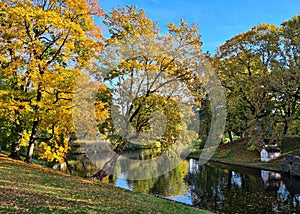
(237, 153)
(32, 188)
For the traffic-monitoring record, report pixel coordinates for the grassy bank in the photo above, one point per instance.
(31, 188)
(236, 153)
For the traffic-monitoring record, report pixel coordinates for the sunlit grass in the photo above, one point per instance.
(31, 188)
(238, 154)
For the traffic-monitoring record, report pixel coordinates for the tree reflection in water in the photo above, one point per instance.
(215, 187)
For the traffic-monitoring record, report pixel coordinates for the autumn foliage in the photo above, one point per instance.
(45, 46)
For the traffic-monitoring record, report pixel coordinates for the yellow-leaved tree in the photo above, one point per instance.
(156, 81)
(44, 46)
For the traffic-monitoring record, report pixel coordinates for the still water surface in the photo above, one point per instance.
(213, 186)
(223, 188)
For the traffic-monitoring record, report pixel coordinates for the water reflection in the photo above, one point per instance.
(271, 180)
(215, 187)
(223, 188)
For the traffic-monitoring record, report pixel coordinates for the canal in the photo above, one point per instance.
(210, 186)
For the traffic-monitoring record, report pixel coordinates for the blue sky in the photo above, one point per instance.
(219, 20)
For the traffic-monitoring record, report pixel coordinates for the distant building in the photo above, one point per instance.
(269, 152)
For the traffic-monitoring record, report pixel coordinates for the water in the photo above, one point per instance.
(223, 188)
(215, 187)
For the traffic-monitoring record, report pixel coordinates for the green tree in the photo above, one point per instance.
(286, 77)
(244, 65)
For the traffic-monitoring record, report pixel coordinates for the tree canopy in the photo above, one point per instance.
(155, 85)
(260, 71)
(44, 46)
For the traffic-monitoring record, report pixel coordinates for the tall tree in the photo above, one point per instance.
(148, 71)
(286, 77)
(44, 44)
(244, 64)
(153, 79)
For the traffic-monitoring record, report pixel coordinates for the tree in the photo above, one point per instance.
(286, 78)
(244, 65)
(44, 45)
(148, 72)
(260, 71)
(154, 79)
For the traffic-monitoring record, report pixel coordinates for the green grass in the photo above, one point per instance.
(237, 153)
(32, 188)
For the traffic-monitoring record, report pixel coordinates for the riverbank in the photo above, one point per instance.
(32, 188)
(236, 153)
(274, 166)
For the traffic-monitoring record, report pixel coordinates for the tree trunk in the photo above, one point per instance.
(34, 127)
(107, 168)
(30, 147)
(285, 128)
(15, 150)
(230, 135)
(243, 135)
(30, 152)
(17, 135)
